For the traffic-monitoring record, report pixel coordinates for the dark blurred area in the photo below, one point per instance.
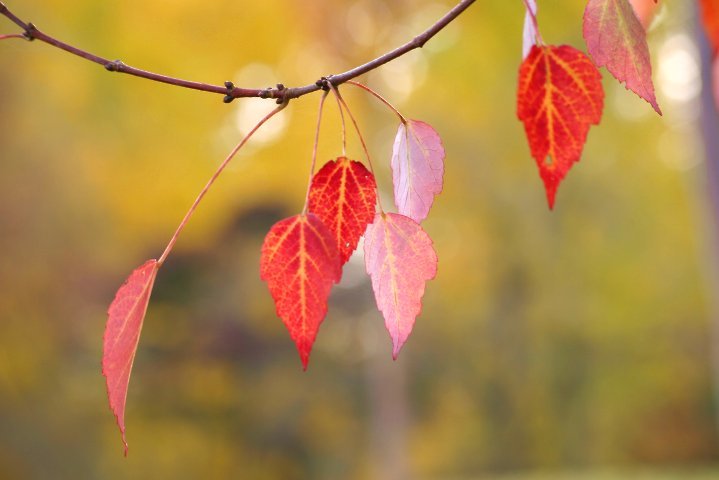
(580, 343)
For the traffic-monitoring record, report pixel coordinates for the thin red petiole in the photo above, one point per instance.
(5, 37)
(359, 134)
(212, 179)
(379, 97)
(314, 149)
(344, 128)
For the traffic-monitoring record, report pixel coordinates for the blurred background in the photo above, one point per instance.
(579, 343)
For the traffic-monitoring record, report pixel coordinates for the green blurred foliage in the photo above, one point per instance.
(573, 339)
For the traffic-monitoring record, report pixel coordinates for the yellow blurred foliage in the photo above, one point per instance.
(578, 338)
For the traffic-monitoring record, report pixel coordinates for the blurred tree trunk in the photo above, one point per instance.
(709, 123)
(387, 386)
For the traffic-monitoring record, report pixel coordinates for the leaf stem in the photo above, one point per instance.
(211, 181)
(359, 134)
(344, 128)
(314, 149)
(380, 98)
(5, 37)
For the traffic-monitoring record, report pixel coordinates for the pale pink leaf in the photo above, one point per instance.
(616, 39)
(529, 37)
(417, 168)
(399, 259)
(122, 332)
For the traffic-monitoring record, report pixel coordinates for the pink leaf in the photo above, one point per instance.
(399, 258)
(616, 39)
(122, 332)
(529, 37)
(417, 168)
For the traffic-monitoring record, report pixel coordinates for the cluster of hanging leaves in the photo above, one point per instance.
(560, 92)
(302, 256)
(559, 97)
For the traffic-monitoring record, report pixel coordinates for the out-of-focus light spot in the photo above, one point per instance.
(251, 110)
(255, 75)
(403, 75)
(679, 72)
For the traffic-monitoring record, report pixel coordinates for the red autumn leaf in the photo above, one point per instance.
(122, 332)
(299, 262)
(616, 39)
(559, 96)
(529, 35)
(710, 19)
(399, 258)
(343, 195)
(417, 168)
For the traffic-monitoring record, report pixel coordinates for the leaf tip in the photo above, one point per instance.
(396, 347)
(655, 106)
(305, 359)
(304, 348)
(550, 186)
(125, 317)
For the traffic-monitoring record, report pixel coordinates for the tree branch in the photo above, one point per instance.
(230, 92)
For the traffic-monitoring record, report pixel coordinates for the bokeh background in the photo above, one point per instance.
(578, 343)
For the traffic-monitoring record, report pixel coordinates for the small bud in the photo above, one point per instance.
(228, 98)
(229, 85)
(29, 31)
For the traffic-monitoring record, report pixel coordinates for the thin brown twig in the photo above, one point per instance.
(230, 92)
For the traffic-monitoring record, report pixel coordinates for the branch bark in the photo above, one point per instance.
(229, 90)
